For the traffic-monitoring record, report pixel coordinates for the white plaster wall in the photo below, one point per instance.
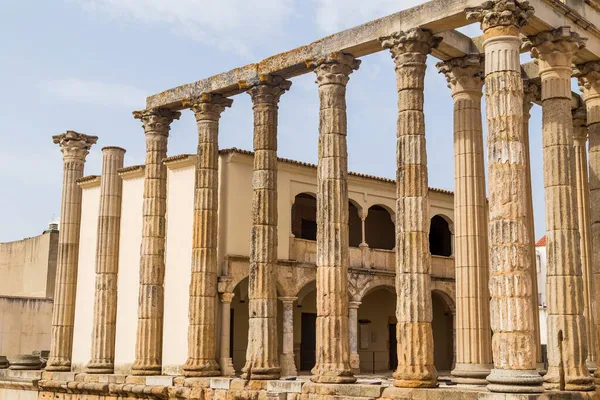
(180, 211)
(86, 278)
(540, 262)
(129, 268)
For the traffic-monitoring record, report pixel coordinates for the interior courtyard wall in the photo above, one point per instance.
(86, 276)
(375, 314)
(180, 206)
(129, 270)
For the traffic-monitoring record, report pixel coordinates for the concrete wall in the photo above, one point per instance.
(24, 325)
(28, 266)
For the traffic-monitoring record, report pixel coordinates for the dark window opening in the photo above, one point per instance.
(309, 229)
(440, 238)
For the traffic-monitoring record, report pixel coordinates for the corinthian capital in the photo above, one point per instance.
(588, 76)
(74, 145)
(556, 47)
(531, 92)
(412, 45)
(157, 121)
(464, 74)
(269, 90)
(208, 106)
(497, 13)
(334, 69)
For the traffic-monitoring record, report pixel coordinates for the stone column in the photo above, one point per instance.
(107, 263)
(75, 147)
(567, 343)
(473, 340)
(202, 329)
(365, 252)
(353, 335)
(589, 83)
(413, 261)
(580, 134)
(148, 347)
(512, 317)
(286, 358)
(225, 360)
(333, 355)
(262, 356)
(531, 92)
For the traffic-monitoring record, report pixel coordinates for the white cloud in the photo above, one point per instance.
(99, 93)
(331, 16)
(225, 24)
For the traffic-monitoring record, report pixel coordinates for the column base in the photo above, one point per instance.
(541, 369)
(355, 363)
(250, 372)
(58, 365)
(200, 367)
(227, 368)
(144, 369)
(288, 365)
(423, 376)
(332, 373)
(515, 381)
(597, 376)
(580, 383)
(100, 367)
(471, 374)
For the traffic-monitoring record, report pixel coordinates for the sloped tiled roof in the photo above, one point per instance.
(541, 242)
(309, 165)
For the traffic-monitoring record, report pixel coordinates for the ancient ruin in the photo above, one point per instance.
(221, 244)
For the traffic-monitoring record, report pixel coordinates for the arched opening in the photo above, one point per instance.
(379, 229)
(377, 331)
(354, 226)
(443, 332)
(440, 237)
(304, 217)
(305, 328)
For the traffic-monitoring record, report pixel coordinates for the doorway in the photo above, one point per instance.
(308, 343)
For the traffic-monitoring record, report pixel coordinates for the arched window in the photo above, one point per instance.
(304, 217)
(354, 226)
(440, 237)
(379, 229)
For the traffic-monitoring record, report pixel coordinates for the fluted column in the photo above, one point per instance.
(107, 263)
(332, 350)
(262, 356)
(567, 342)
(473, 340)
(511, 314)
(148, 347)
(202, 329)
(286, 358)
(531, 92)
(225, 360)
(589, 83)
(413, 261)
(580, 136)
(75, 147)
(353, 335)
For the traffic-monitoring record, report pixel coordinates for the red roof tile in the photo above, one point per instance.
(541, 242)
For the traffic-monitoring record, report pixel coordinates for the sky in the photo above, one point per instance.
(85, 65)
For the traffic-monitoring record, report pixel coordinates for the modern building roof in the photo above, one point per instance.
(541, 242)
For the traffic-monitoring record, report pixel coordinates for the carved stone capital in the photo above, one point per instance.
(288, 299)
(157, 121)
(555, 48)
(501, 13)
(588, 76)
(580, 131)
(354, 304)
(411, 46)
(227, 297)
(74, 145)
(531, 93)
(334, 69)
(464, 74)
(207, 106)
(269, 90)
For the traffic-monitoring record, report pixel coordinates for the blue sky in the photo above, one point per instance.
(84, 65)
